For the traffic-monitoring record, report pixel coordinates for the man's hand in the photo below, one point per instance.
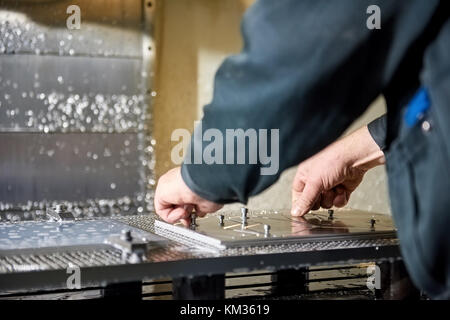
(329, 177)
(174, 200)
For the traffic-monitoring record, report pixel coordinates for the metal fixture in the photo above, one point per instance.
(193, 220)
(60, 213)
(330, 214)
(244, 217)
(266, 230)
(372, 223)
(133, 249)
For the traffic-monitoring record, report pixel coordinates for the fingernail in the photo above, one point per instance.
(295, 211)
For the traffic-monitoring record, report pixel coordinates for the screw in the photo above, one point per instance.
(244, 212)
(372, 222)
(330, 214)
(126, 235)
(193, 220)
(266, 230)
(60, 207)
(221, 218)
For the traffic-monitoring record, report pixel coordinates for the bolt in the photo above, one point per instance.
(244, 212)
(193, 220)
(221, 218)
(330, 214)
(126, 235)
(60, 207)
(372, 222)
(266, 230)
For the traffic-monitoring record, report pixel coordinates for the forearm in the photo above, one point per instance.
(362, 150)
(297, 87)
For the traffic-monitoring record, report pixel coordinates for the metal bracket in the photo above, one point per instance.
(60, 213)
(133, 249)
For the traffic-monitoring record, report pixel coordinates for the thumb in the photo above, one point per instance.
(305, 200)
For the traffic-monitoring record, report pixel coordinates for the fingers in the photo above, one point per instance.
(341, 197)
(185, 221)
(327, 199)
(174, 201)
(307, 199)
(312, 198)
(176, 214)
(316, 205)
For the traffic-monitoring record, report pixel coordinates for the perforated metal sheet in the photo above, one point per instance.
(43, 234)
(100, 264)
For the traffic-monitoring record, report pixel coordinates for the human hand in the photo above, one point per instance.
(174, 201)
(329, 177)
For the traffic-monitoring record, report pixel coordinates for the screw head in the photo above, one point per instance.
(126, 235)
(60, 207)
(193, 219)
(266, 230)
(330, 213)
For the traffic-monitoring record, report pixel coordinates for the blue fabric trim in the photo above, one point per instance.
(417, 107)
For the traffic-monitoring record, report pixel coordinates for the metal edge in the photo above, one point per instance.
(101, 276)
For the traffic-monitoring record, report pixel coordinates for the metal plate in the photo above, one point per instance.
(108, 28)
(44, 234)
(46, 268)
(71, 94)
(68, 167)
(315, 226)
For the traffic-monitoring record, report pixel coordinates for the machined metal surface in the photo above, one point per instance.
(71, 94)
(68, 167)
(273, 227)
(108, 28)
(75, 120)
(47, 234)
(103, 264)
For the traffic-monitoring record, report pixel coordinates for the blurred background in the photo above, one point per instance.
(194, 38)
(86, 114)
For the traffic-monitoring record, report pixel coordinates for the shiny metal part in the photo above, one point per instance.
(330, 214)
(221, 220)
(75, 109)
(193, 220)
(60, 213)
(133, 248)
(170, 231)
(46, 234)
(100, 263)
(27, 28)
(266, 230)
(280, 228)
(244, 216)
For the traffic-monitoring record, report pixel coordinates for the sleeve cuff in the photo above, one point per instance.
(377, 129)
(210, 196)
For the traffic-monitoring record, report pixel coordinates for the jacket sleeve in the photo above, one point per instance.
(377, 129)
(307, 69)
